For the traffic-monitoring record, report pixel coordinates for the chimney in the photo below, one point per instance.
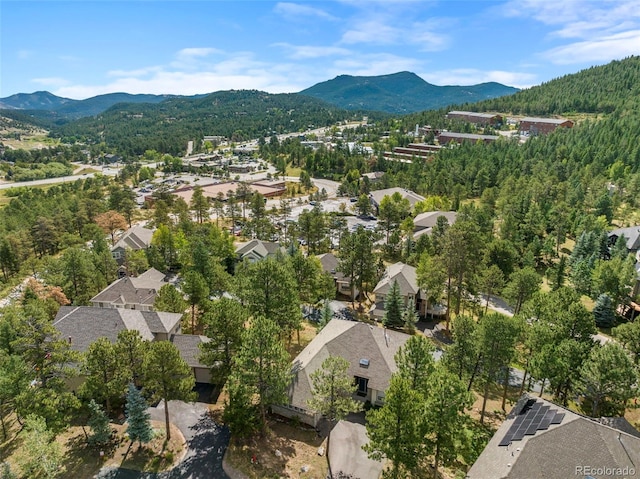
(69, 339)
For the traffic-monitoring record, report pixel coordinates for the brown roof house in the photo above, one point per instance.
(256, 249)
(407, 280)
(540, 439)
(329, 263)
(83, 325)
(542, 126)
(135, 238)
(370, 351)
(131, 293)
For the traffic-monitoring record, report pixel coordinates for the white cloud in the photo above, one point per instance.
(599, 49)
(186, 53)
(51, 82)
(472, 76)
(301, 52)
(380, 31)
(294, 10)
(139, 72)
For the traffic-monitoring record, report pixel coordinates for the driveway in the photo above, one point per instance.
(207, 442)
(346, 454)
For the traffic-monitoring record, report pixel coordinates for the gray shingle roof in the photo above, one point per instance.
(261, 248)
(85, 324)
(329, 263)
(141, 290)
(189, 347)
(424, 222)
(353, 341)
(555, 453)
(404, 274)
(631, 235)
(137, 237)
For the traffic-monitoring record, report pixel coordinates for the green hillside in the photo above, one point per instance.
(168, 126)
(600, 89)
(402, 92)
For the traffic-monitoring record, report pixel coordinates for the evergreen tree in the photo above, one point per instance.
(332, 392)
(444, 417)
(224, 325)
(393, 431)
(103, 371)
(170, 300)
(629, 336)
(6, 472)
(415, 362)
(260, 372)
(604, 312)
(167, 376)
(461, 356)
(608, 379)
(326, 315)
(393, 307)
(99, 424)
(43, 456)
(138, 418)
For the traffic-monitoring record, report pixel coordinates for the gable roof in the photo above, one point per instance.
(329, 263)
(404, 274)
(413, 198)
(552, 121)
(259, 248)
(631, 234)
(353, 341)
(129, 290)
(424, 222)
(189, 347)
(83, 325)
(136, 238)
(555, 452)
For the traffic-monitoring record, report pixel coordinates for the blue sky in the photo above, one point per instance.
(78, 49)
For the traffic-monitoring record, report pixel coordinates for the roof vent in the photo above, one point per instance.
(364, 363)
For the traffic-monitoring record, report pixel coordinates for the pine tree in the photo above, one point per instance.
(604, 312)
(393, 308)
(43, 456)
(6, 472)
(333, 389)
(138, 418)
(409, 319)
(99, 424)
(326, 315)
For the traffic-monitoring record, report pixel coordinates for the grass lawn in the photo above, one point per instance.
(83, 462)
(291, 171)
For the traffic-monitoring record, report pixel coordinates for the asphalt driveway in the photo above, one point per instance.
(207, 442)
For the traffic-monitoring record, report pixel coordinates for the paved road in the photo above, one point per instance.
(207, 443)
(52, 181)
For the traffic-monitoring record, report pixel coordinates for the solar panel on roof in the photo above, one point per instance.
(534, 416)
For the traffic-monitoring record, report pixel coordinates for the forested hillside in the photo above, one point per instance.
(601, 89)
(399, 93)
(167, 127)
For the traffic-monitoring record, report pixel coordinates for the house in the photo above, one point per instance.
(541, 439)
(83, 325)
(447, 137)
(631, 236)
(135, 238)
(424, 222)
(475, 118)
(407, 280)
(374, 176)
(370, 351)
(131, 293)
(256, 249)
(542, 126)
(189, 347)
(377, 196)
(329, 263)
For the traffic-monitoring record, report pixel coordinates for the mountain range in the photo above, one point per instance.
(399, 93)
(402, 92)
